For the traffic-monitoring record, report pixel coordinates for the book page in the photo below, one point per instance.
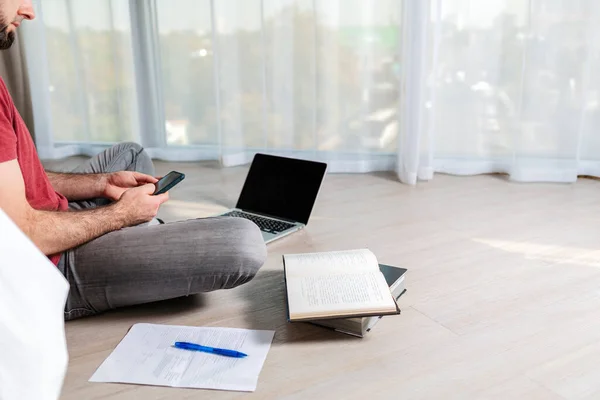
(339, 294)
(330, 262)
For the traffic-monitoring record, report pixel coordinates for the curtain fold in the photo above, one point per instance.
(417, 87)
(513, 88)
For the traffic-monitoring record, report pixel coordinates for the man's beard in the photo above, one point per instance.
(6, 39)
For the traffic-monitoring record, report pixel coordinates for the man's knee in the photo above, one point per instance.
(250, 249)
(246, 251)
(136, 158)
(133, 150)
(133, 146)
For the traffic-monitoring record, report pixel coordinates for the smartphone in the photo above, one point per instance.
(168, 181)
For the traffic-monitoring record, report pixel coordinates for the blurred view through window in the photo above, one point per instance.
(286, 74)
(503, 79)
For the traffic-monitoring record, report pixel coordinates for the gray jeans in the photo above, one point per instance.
(148, 263)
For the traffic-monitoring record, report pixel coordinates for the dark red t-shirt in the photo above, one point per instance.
(16, 143)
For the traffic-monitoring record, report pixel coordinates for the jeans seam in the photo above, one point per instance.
(79, 309)
(138, 281)
(77, 313)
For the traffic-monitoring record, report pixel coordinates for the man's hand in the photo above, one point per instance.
(88, 186)
(116, 183)
(56, 231)
(138, 205)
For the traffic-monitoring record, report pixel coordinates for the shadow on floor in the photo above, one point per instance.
(267, 309)
(385, 175)
(149, 312)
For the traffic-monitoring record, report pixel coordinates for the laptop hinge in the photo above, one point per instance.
(271, 216)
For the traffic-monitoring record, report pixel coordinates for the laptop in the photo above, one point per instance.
(279, 194)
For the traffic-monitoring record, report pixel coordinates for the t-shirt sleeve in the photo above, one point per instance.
(8, 136)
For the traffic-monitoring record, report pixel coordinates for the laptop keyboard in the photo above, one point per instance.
(265, 224)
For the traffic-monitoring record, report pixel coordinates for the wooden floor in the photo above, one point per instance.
(503, 297)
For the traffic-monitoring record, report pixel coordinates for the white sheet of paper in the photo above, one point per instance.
(146, 356)
(33, 349)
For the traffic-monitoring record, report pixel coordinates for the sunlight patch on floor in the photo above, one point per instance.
(546, 252)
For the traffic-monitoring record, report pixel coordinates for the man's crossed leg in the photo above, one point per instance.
(149, 263)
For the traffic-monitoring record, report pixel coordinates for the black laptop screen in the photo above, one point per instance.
(282, 187)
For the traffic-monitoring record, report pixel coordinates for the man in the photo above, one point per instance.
(92, 223)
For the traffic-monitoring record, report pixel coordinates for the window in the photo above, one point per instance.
(261, 74)
(90, 69)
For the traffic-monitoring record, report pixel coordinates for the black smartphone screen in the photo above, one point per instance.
(168, 181)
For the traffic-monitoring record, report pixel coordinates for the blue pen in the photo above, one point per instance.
(206, 349)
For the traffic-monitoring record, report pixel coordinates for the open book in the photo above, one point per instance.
(337, 284)
(394, 276)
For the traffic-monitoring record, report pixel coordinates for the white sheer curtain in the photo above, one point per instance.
(290, 77)
(415, 86)
(512, 86)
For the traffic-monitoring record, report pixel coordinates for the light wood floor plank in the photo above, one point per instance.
(502, 300)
